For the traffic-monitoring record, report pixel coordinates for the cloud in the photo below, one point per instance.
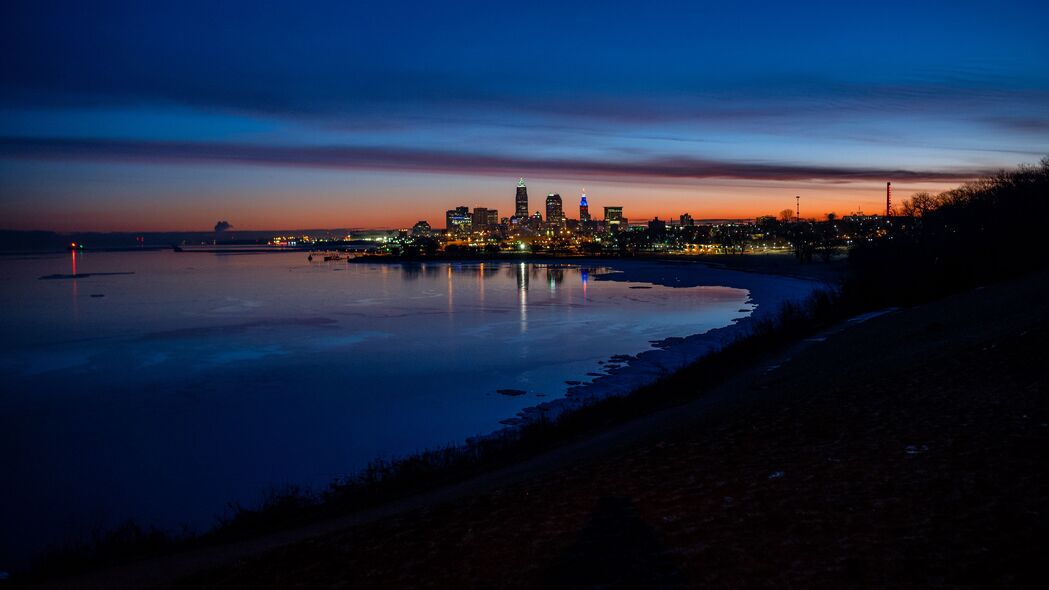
(385, 158)
(1033, 125)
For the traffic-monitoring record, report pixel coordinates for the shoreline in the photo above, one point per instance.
(810, 463)
(519, 455)
(649, 365)
(766, 293)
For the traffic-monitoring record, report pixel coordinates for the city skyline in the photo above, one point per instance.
(168, 117)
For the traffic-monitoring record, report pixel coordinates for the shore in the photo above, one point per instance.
(628, 373)
(903, 451)
(622, 379)
(809, 468)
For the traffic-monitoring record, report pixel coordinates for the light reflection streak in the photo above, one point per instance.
(522, 290)
(76, 304)
(451, 294)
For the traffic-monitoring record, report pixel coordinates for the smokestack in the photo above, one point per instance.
(888, 199)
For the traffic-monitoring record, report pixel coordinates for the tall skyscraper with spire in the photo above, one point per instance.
(584, 208)
(521, 209)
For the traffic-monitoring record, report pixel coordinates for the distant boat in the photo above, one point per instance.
(332, 257)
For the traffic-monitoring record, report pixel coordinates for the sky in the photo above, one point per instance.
(157, 116)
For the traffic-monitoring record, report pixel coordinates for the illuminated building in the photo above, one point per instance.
(521, 201)
(614, 217)
(458, 220)
(584, 209)
(421, 228)
(555, 214)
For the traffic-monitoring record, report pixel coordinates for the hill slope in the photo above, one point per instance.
(904, 451)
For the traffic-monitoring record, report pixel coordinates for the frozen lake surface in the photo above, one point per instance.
(162, 386)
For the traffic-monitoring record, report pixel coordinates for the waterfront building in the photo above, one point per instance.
(521, 201)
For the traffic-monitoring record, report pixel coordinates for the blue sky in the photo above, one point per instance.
(168, 115)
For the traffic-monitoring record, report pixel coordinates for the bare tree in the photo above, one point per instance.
(906, 208)
(786, 215)
(922, 203)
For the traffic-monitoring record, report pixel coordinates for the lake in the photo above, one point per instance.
(162, 386)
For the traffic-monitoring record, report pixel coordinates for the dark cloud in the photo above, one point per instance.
(380, 158)
(1034, 125)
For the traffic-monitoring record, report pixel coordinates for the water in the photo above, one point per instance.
(204, 379)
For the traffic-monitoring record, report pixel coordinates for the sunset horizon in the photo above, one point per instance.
(142, 119)
(718, 200)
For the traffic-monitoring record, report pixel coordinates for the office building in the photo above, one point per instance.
(555, 214)
(521, 201)
(458, 220)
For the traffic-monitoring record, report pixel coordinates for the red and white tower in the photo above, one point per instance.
(888, 199)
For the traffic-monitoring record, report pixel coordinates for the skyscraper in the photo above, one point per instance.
(521, 202)
(614, 217)
(584, 209)
(555, 214)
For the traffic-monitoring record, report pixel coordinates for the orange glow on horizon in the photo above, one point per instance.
(402, 207)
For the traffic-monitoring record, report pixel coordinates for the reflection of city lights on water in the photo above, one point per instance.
(451, 297)
(522, 289)
(76, 308)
